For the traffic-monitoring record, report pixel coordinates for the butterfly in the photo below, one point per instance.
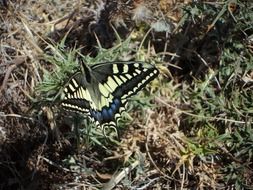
(101, 91)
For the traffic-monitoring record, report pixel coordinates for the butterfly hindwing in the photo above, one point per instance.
(101, 92)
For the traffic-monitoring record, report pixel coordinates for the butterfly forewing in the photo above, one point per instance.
(105, 95)
(76, 95)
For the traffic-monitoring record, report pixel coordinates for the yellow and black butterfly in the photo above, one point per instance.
(101, 90)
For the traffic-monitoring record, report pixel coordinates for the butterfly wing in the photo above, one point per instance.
(102, 94)
(124, 79)
(76, 96)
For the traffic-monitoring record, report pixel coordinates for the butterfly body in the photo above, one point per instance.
(101, 90)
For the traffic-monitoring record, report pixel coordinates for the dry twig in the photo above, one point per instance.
(16, 63)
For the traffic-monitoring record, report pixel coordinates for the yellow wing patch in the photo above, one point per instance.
(104, 91)
(125, 69)
(112, 83)
(115, 69)
(118, 80)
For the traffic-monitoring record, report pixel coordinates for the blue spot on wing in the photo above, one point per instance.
(107, 114)
(117, 102)
(113, 108)
(110, 112)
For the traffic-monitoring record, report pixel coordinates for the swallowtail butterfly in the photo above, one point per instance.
(101, 90)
